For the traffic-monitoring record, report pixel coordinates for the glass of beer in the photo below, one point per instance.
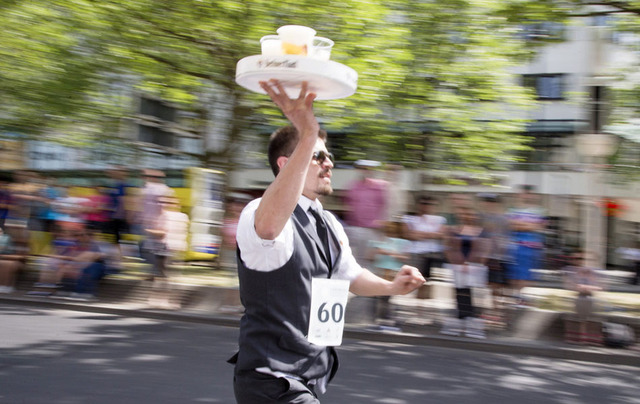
(296, 39)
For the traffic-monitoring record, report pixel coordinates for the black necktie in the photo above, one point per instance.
(321, 227)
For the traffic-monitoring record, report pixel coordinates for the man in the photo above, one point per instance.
(153, 249)
(366, 204)
(118, 221)
(283, 265)
(496, 224)
(426, 231)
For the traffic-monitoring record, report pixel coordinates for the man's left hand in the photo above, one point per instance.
(407, 280)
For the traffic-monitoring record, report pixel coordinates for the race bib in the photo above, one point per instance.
(328, 306)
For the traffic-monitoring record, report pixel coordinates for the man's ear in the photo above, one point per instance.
(282, 161)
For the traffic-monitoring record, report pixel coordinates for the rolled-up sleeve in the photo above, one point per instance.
(259, 254)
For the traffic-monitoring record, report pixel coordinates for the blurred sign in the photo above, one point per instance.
(41, 155)
(12, 155)
(207, 210)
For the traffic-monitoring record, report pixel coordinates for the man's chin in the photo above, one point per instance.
(325, 190)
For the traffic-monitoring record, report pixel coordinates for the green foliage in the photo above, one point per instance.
(433, 75)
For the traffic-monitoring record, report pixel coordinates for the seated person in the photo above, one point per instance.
(582, 279)
(90, 263)
(10, 262)
(77, 266)
(55, 264)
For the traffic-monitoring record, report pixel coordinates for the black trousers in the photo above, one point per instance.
(465, 305)
(251, 387)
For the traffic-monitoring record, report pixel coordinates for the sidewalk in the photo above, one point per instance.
(212, 297)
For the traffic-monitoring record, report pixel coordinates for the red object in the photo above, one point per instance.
(613, 207)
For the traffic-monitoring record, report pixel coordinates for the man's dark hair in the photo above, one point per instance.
(427, 199)
(283, 142)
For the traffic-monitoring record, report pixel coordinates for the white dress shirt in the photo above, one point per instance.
(269, 255)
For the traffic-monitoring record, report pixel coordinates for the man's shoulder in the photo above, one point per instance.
(250, 208)
(436, 218)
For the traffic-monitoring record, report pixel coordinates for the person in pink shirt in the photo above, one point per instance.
(235, 204)
(97, 214)
(366, 208)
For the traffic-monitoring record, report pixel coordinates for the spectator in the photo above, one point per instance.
(69, 210)
(467, 251)
(526, 220)
(366, 208)
(457, 200)
(154, 249)
(426, 231)
(11, 260)
(632, 256)
(90, 262)
(397, 197)
(172, 230)
(75, 268)
(227, 257)
(390, 254)
(5, 200)
(496, 224)
(118, 223)
(176, 227)
(97, 210)
(56, 265)
(584, 281)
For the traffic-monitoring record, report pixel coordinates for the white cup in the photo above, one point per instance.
(271, 45)
(296, 39)
(321, 48)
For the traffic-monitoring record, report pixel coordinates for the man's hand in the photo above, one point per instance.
(299, 111)
(407, 280)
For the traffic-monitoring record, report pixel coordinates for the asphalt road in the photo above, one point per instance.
(66, 357)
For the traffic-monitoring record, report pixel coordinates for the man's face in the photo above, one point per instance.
(426, 206)
(318, 181)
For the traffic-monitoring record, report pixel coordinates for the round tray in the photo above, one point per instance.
(328, 79)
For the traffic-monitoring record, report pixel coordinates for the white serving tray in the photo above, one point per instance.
(328, 79)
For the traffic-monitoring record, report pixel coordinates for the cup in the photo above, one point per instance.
(271, 45)
(321, 48)
(296, 39)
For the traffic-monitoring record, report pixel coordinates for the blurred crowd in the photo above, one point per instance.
(487, 248)
(482, 244)
(77, 234)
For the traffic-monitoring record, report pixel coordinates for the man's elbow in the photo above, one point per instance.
(266, 232)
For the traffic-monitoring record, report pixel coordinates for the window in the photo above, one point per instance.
(547, 86)
(157, 109)
(542, 31)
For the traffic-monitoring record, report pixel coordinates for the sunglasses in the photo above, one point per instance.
(321, 156)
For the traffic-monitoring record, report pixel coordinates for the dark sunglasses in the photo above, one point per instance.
(321, 156)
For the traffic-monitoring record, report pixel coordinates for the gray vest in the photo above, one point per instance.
(277, 304)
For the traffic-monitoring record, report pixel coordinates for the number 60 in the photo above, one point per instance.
(337, 311)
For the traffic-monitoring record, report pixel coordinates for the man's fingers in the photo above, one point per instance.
(303, 90)
(279, 87)
(309, 99)
(269, 90)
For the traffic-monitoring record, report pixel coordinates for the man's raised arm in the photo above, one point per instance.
(281, 197)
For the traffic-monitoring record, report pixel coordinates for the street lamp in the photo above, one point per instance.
(595, 147)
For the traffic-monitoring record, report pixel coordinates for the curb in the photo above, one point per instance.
(509, 347)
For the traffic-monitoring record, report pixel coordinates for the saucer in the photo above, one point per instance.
(328, 79)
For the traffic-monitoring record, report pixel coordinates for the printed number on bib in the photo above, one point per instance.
(328, 304)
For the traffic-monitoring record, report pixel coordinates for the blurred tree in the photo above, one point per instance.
(434, 80)
(619, 19)
(622, 16)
